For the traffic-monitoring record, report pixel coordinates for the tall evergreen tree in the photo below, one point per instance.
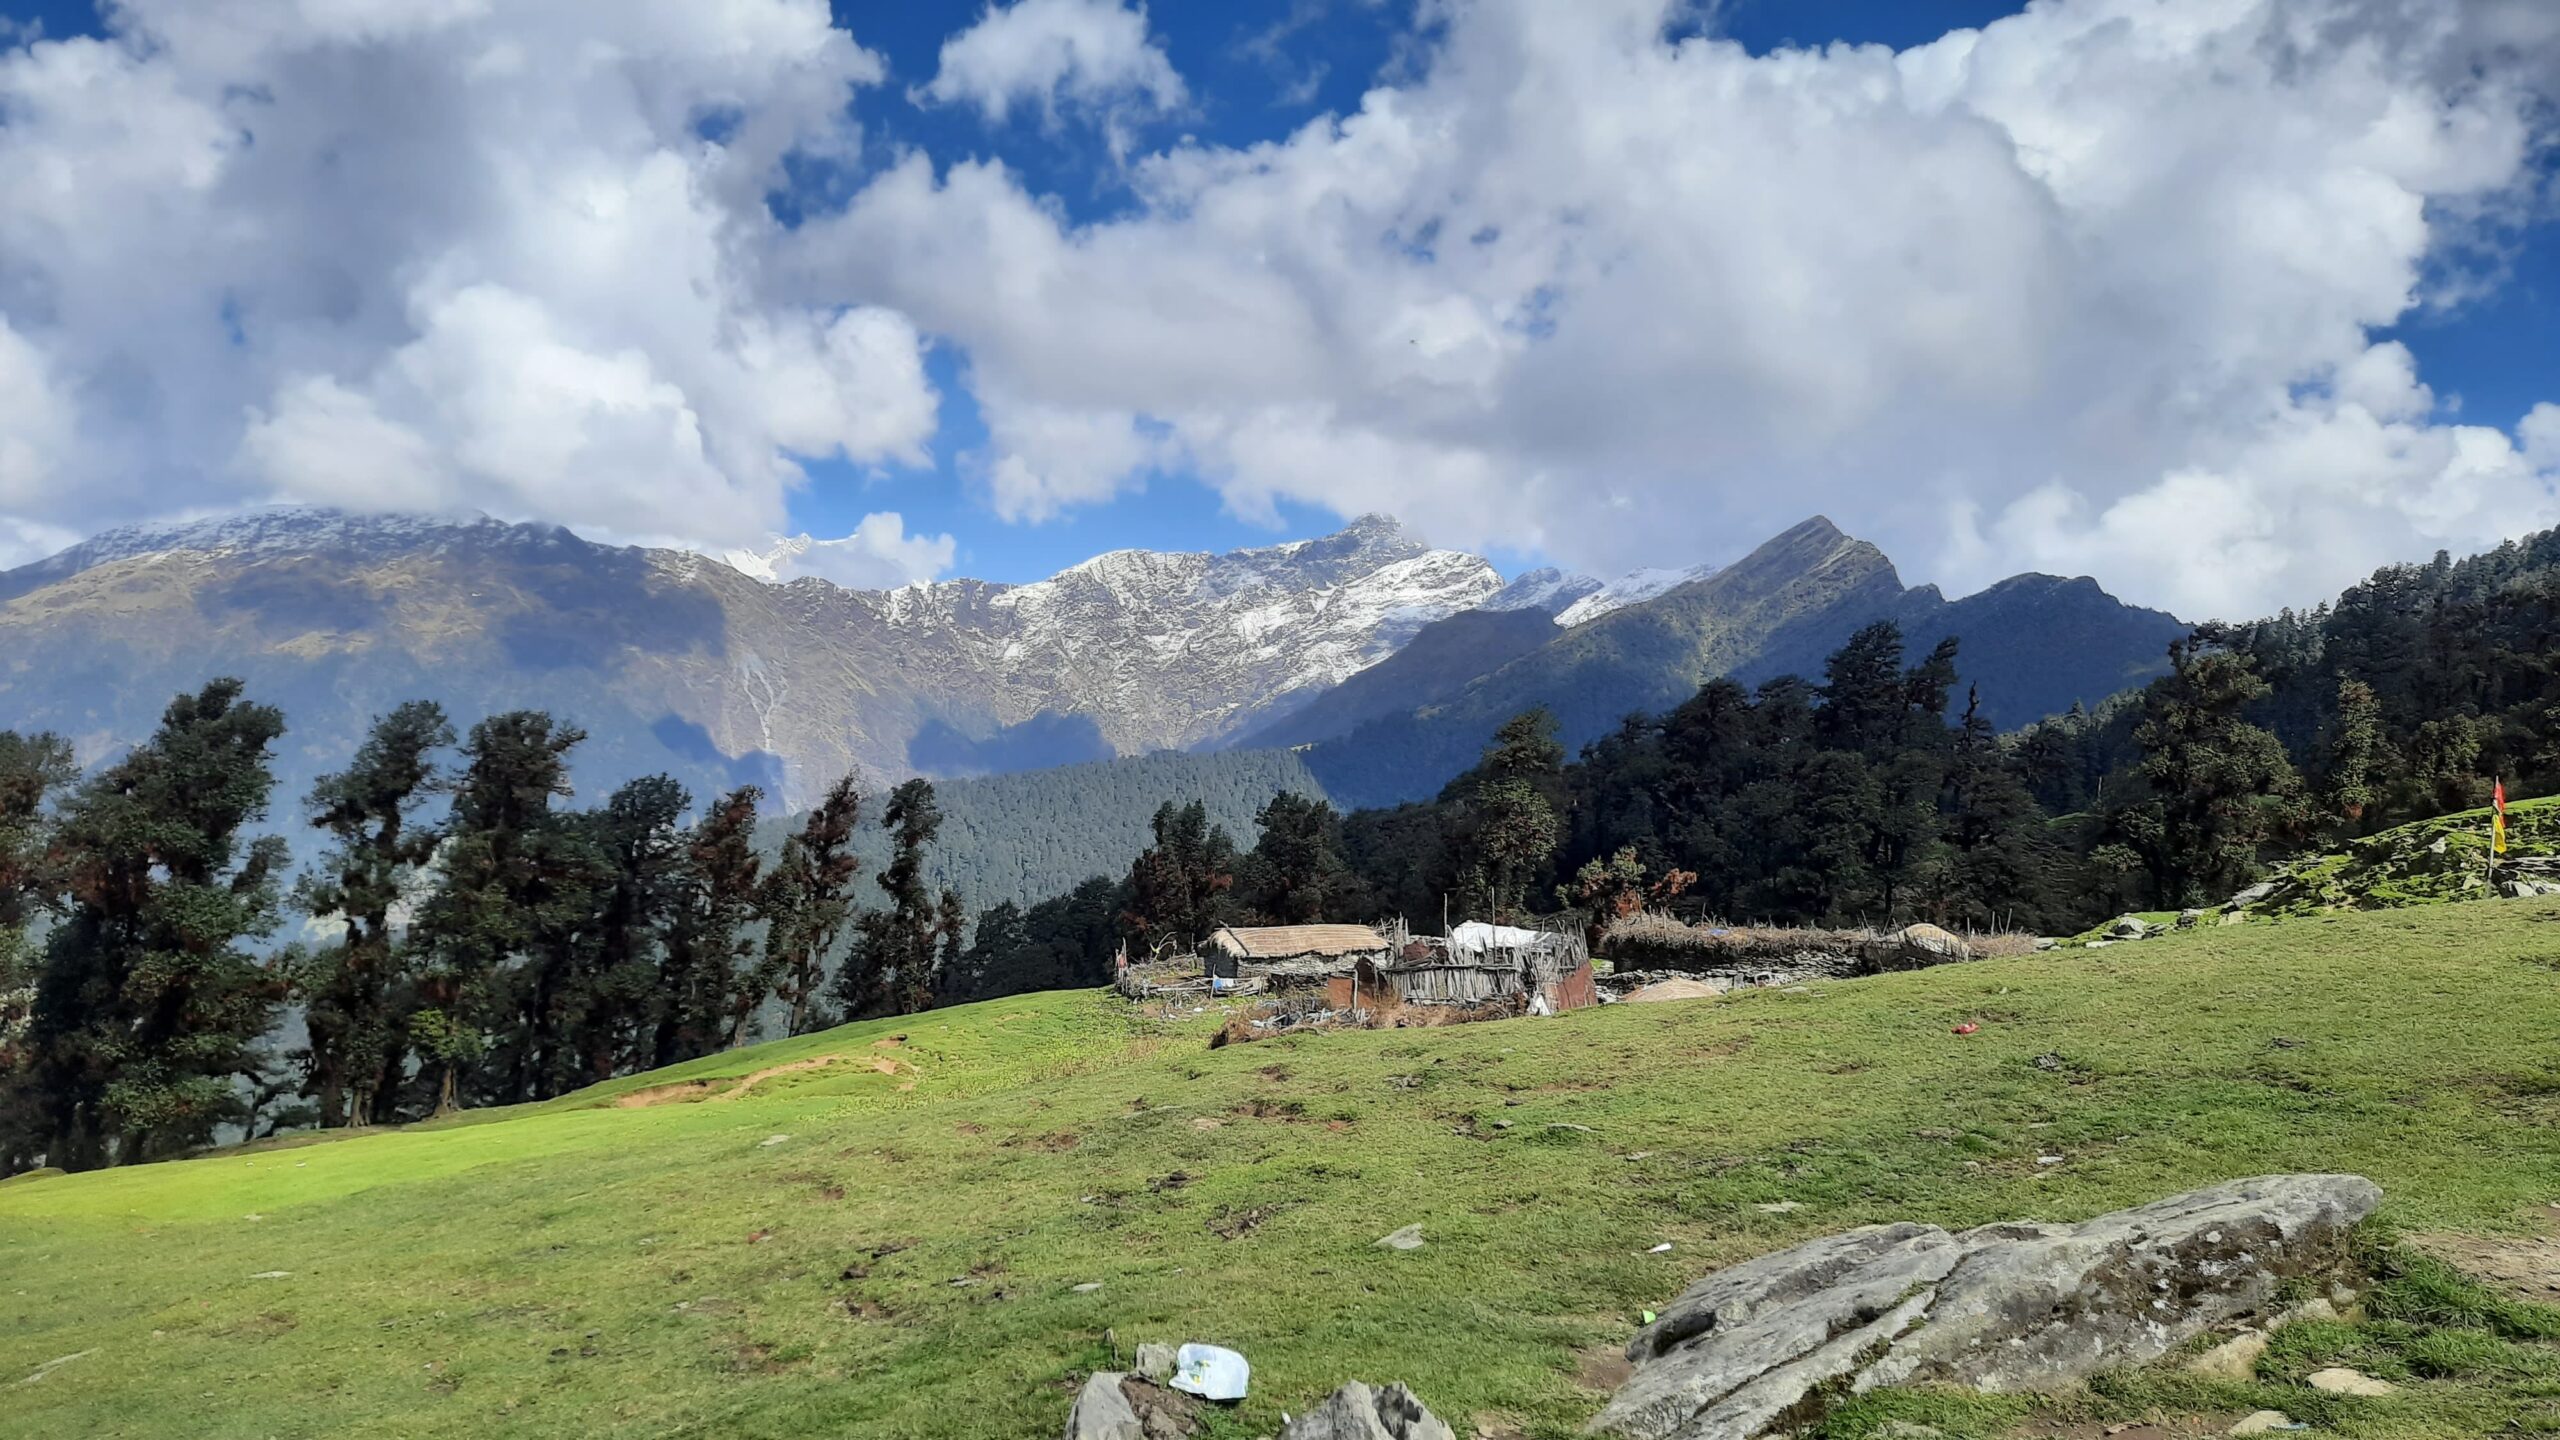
(2211, 790)
(354, 994)
(709, 985)
(1294, 874)
(1507, 829)
(807, 900)
(1178, 887)
(611, 1000)
(506, 874)
(897, 952)
(149, 1005)
(2355, 754)
(32, 768)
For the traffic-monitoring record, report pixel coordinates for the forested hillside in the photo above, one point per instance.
(1022, 838)
(2031, 646)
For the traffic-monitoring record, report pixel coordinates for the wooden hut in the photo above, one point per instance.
(1530, 971)
(1288, 955)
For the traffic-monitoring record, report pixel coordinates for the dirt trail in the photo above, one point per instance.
(727, 1087)
(724, 1087)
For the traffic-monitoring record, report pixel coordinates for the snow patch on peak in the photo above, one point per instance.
(269, 530)
(1629, 589)
(1547, 588)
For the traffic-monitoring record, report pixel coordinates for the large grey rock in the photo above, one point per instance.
(1770, 1342)
(1356, 1412)
(1755, 1322)
(2131, 927)
(2250, 896)
(2031, 1306)
(1102, 1413)
(1917, 947)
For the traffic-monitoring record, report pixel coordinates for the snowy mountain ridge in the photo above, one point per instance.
(1126, 653)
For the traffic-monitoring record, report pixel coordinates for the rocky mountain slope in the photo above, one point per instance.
(678, 662)
(2033, 643)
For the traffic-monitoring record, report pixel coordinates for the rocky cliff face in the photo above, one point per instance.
(679, 662)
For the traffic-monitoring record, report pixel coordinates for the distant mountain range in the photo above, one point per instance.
(2034, 644)
(678, 662)
(1392, 660)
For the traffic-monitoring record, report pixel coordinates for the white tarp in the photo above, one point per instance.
(1478, 938)
(1210, 1372)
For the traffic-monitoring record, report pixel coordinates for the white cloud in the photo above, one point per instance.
(2541, 435)
(1576, 286)
(1052, 53)
(35, 423)
(2095, 287)
(878, 555)
(441, 254)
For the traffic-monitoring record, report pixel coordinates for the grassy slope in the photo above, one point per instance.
(2396, 867)
(575, 1269)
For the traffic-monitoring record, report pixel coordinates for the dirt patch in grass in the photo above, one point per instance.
(685, 1092)
(1602, 1368)
(1232, 1224)
(2525, 1266)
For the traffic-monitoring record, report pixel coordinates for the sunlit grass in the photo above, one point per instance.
(903, 1260)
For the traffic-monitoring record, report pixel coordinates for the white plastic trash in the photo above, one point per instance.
(1210, 1372)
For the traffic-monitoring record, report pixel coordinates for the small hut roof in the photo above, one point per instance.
(1286, 942)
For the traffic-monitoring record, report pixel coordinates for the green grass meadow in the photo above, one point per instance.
(889, 1244)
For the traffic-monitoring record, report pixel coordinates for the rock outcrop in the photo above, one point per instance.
(1916, 947)
(1113, 1406)
(1769, 1343)
(1101, 1412)
(1356, 1412)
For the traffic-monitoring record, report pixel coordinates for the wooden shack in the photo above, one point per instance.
(1527, 971)
(1291, 955)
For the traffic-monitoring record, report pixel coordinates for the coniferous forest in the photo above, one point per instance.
(460, 934)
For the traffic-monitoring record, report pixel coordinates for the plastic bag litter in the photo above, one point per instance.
(1210, 1372)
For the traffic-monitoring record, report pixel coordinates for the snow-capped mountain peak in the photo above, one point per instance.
(1629, 589)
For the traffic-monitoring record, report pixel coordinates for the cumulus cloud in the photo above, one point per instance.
(878, 555)
(432, 254)
(1587, 285)
(1049, 54)
(2097, 287)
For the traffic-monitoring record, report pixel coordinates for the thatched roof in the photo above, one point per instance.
(1289, 942)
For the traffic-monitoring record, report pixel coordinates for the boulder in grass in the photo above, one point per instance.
(1101, 1412)
(1356, 1412)
(1771, 1343)
(1917, 947)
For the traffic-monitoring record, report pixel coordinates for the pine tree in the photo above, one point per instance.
(148, 1007)
(1507, 830)
(32, 768)
(2355, 753)
(352, 993)
(1178, 888)
(505, 875)
(1294, 874)
(898, 951)
(808, 898)
(2214, 790)
(611, 998)
(708, 984)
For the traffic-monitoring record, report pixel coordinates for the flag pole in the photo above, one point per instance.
(2497, 829)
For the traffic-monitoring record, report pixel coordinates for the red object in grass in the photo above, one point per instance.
(1967, 1028)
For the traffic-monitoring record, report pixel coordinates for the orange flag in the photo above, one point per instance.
(2498, 819)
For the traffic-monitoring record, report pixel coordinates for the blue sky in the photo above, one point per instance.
(1980, 364)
